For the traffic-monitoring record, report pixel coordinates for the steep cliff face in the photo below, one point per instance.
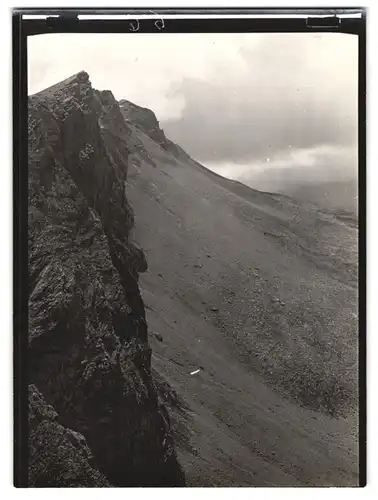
(89, 354)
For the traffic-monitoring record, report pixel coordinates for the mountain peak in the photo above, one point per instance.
(145, 120)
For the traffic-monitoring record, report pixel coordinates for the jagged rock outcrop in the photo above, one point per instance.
(146, 120)
(89, 354)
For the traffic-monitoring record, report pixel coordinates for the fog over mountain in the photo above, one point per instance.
(275, 111)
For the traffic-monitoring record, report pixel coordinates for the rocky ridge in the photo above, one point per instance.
(95, 411)
(145, 120)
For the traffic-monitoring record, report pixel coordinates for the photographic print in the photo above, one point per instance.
(193, 260)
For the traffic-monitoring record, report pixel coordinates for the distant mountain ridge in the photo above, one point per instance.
(334, 195)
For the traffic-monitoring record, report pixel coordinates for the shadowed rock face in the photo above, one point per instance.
(58, 455)
(89, 354)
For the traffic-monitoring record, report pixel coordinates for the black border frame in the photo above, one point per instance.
(67, 22)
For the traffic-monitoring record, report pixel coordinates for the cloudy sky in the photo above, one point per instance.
(272, 110)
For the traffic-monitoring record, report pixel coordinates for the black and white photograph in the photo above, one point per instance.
(193, 257)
